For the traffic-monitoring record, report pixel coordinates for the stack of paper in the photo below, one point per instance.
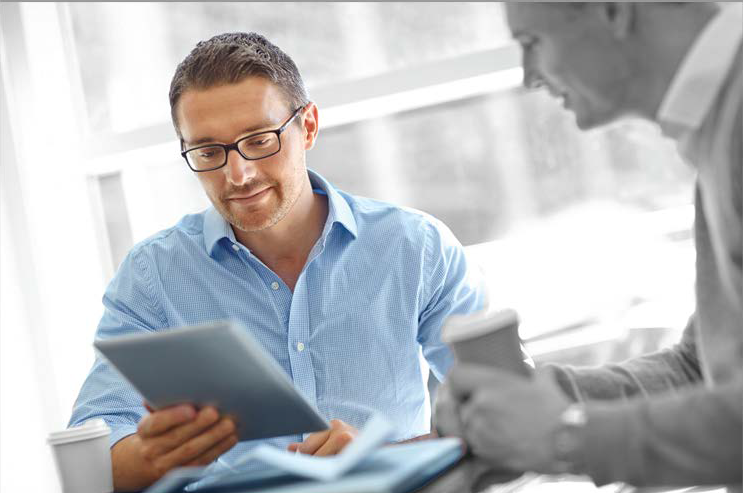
(363, 465)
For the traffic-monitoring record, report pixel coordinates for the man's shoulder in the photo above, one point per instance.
(371, 213)
(187, 233)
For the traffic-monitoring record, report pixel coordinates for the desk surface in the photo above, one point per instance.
(471, 476)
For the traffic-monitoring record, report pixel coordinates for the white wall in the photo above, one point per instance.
(49, 259)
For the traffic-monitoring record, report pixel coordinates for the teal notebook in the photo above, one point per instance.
(390, 469)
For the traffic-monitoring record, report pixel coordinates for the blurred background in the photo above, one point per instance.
(587, 235)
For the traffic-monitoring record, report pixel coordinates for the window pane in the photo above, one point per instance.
(487, 164)
(128, 52)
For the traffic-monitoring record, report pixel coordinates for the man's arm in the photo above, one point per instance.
(173, 437)
(692, 437)
(144, 446)
(129, 308)
(666, 370)
(449, 286)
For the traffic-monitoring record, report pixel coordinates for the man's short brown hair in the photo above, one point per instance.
(231, 57)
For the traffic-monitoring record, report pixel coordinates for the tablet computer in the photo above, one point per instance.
(217, 364)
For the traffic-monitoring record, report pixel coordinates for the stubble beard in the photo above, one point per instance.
(251, 223)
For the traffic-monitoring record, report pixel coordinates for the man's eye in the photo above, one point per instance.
(206, 154)
(259, 142)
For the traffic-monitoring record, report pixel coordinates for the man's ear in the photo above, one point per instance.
(620, 16)
(310, 125)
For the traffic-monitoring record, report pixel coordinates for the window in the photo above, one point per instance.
(330, 42)
(420, 105)
(478, 163)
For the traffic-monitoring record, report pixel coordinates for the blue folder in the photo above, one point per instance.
(391, 469)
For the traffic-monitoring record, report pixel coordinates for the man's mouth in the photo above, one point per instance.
(560, 95)
(249, 196)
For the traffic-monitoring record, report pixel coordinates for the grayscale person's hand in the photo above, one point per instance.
(507, 420)
(446, 418)
(168, 438)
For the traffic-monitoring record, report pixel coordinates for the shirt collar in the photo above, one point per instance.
(702, 71)
(216, 227)
(338, 209)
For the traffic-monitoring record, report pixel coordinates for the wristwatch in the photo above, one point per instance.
(569, 440)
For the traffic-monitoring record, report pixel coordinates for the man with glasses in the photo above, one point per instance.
(673, 417)
(344, 292)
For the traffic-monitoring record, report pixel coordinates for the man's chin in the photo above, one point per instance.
(252, 224)
(246, 222)
(584, 124)
(587, 121)
(591, 118)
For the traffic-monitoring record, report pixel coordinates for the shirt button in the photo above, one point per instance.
(300, 346)
(274, 285)
(235, 247)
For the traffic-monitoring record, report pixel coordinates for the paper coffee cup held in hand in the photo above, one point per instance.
(83, 457)
(487, 338)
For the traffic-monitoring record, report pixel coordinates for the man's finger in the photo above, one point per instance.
(210, 455)
(482, 402)
(335, 443)
(198, 445)
(465, 378)
(313, 442)
(175, 437)
(163, 420)
(446, 413)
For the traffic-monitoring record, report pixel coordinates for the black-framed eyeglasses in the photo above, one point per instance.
(251, 147)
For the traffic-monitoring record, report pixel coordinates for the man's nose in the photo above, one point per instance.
(239, 170)
(532, 77)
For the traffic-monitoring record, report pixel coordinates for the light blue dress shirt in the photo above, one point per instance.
(374, 292)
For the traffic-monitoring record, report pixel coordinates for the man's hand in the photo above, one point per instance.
(172, 437)
(327, 442)
(446, 413)
(507, 420)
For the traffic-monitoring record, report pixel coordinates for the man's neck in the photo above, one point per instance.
(284, 248)
(664, 43)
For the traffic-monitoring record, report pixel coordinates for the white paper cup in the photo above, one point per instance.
(83, 457)
(490, 339)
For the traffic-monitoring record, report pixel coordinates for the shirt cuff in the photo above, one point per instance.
(119, 432)
(612, 448)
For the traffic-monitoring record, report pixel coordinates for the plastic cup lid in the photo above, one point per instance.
(92, 428)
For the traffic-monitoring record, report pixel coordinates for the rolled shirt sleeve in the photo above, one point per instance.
(452, 286)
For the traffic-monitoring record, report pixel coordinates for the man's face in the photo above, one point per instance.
(251, 195)
(574, 52)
